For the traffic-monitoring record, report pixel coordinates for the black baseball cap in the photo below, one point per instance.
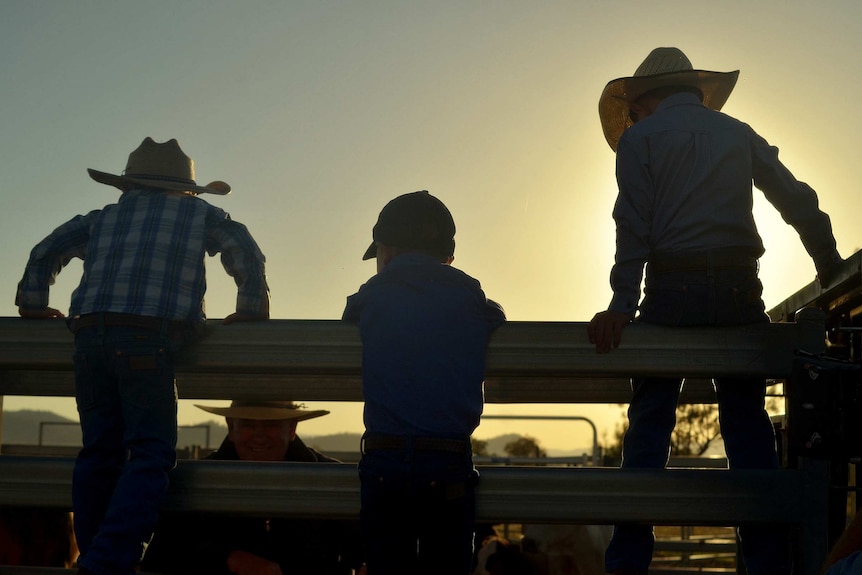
(416, 221)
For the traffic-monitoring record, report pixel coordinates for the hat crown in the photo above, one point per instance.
(662, 68)
(416, 220)
(264, 403)
(664, 61)
(165, 160)
(161, 167)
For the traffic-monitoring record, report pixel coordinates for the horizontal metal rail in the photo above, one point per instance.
(528, 362)
(695, 546)
(844, 292)
(506, 494)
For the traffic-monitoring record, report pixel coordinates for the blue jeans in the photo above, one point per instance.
(418, 512)
(127, 402)
(722, 297)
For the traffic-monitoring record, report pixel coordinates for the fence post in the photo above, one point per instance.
(811, 323)
(814, 529)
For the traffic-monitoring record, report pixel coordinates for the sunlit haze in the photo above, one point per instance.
(318, 113)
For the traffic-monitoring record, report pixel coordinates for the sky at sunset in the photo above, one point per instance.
(318, 113)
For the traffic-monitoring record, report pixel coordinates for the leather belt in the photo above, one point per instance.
(702, 261)
(379, 442)
(108, 319)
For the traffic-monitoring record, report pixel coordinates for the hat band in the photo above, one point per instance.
(161, 178)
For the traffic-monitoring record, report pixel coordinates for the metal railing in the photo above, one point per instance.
(594, 460)
(528, 362)
(585, 495)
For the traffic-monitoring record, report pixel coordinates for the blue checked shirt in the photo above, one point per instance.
(145, 255)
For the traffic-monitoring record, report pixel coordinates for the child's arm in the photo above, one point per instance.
(236, 316)
(243, 261)
(47, 312)
(46, 261)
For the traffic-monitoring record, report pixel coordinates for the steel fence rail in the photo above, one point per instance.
(528, 362)
(506, 494)
(842, 294)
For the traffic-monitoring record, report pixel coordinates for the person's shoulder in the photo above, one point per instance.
(464, 277)
(727, 119)
(299, 451)
(850, 565)
(322, 458)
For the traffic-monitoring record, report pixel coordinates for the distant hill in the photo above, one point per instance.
(349, 443)
(338, 442)
(21, 427)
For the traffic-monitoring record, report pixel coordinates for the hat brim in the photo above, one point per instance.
(124, 182)
(371, 252)
(264, 412)
(619, 94)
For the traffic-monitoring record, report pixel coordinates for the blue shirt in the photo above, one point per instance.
(850, 565)
(425, 329)
(685, 177)
(145, 255)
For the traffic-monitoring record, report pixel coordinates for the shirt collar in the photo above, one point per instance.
(413, 258)
(679, 99)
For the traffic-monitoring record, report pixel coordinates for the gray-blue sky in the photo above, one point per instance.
(318, 113)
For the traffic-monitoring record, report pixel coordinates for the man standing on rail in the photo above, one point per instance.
(685, 174)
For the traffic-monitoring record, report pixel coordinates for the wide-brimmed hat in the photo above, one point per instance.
(663, 67)
(265, 410)
(416, 221)
(161, 166)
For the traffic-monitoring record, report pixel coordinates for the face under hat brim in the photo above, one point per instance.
(619, 94)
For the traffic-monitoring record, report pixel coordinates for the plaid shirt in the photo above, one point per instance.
(144, 255)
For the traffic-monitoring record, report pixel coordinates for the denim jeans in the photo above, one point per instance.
(418, 512)
(127, 402)
(721, 297)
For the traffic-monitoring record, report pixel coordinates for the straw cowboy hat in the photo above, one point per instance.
(663, 67)
(260, 409)
(162, 166)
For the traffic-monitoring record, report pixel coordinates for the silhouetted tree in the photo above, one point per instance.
(696, 428)
(613, 448)
(524, 446)
(479, 447)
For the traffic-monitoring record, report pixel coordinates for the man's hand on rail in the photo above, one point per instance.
(47, 312)
(605, 330)
(238, 316)
(828, 271)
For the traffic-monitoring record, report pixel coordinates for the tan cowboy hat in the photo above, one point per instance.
(663, 67)
(162, 166)
(261, 409)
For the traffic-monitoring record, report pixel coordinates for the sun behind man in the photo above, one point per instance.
(685, 173)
